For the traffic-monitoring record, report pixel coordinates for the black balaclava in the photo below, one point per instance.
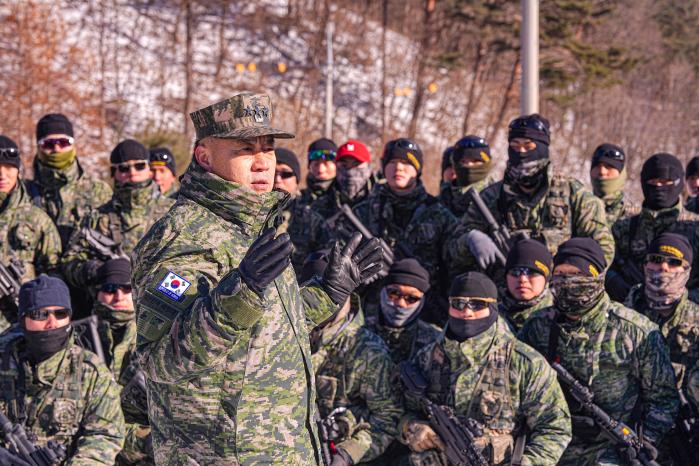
(477, 286)
(528, 169)
(666, 167)
(471, 148)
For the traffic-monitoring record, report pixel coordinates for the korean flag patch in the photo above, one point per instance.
(173, 286)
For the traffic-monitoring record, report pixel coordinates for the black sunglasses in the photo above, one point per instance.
(41, 314)
(113, 287)
(9, 152)
(531, 123)
(659, 259)
(126, 167)
(473, 304)
(396, 295)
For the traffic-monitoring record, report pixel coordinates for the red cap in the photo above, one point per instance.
(354, 148)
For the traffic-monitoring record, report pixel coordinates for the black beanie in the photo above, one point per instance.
(314, 265)
(583, 253)
(287, 157)
(531, 254)
(53, 123)
(473, 285)
(534, 127)
(162, 157)
(610, 154)
(9, 152)
(473, 148)
(115, 271)
(446, 158)
(693, 167)
(129, 149)
(403, 149)
(408, 272)
(667, 167)
(42, 292)
(323, 144)
(672, 245)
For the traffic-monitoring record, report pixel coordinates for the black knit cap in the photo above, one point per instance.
(693, 167)
(287, 157)
(610, 154)
(672, 245)
(314, 265)
(531, 254)
(115, 271)
(42, 292)
(473, 285)
(583, 253)
(403, 149)
(162, 157)
(129, 149)
(472, 148)
(9, 152)
(53, 123)
(446, 158)
(534, 127)
(408, 272)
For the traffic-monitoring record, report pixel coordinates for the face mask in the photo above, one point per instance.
(528, 174)
(59, 160)
(540, 152)
(661, 197)
(575, 295)
(469, 175)
(43, 344)
(114, 316)
(462, 329)
(353, 180)
(603, 187)
(664, 289)
(398, 317)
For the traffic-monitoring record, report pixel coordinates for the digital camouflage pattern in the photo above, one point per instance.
(562, 209)
(70, 398)
(228, 372)
(634, 234)
(353, 370)
(454, 197)
(504, 385)
(616, 207)
(404, 342)
(622, 357)
(125, 219)
(518, 312)
(306, 229)
(67, 195)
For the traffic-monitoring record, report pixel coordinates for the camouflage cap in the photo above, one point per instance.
(245, 115)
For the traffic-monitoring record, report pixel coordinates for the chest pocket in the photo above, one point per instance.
(23, 236)
(61, 419)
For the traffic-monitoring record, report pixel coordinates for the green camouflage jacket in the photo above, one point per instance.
(622, 357)
(67, 195)
(558, 212)
(124, 219)
(70, 398)
(503, 384)
(353, 370)
(616, 207)
(229, 372)
(404, 342)
(306, 230)
(518, 312)
(454, 197)
(633, 235)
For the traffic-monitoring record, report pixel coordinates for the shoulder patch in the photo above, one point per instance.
(173, 286)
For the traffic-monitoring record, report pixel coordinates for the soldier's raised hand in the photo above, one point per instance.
(484, 249)
(265, 260)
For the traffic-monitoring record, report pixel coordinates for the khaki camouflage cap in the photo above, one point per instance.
(245, 115)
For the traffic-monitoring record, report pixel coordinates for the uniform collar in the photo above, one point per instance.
(55, 178)
(139, 195)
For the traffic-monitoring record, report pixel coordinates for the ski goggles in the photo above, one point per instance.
(322, 154)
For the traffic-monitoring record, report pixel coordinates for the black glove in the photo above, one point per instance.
(90, 271)
(352, 266)
(648, 452)
(9, 459)
(584, 428)
(265, 260)
(341, 458)
(483, 249)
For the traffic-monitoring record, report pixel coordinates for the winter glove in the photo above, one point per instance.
(483, 249)
(341, 458)
(266, 258)
(647, 452)
(352, 266)
(90, 269)
(584, 428)
(419, 437)
(11, 459)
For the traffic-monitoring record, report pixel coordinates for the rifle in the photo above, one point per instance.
(347, 212)
(458, 437)
(615, 430)
(499, 233)
(20, 445)
(94, 343)
(105, 246)
(682, 437)
(327, 441)
(11, 280)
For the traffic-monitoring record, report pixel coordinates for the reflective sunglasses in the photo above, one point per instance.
(530, 123)
(322, 154)
(113, 287)
(9, 152)
(473, 304)
(526, 271)
(659, 259)
(50, 143)
(126, 166)
(471, 142)
(396, 295)
(41, 314)
(610, 154)
(284, 175)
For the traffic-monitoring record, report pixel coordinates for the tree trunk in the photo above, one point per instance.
(188, 78)
(421, 68)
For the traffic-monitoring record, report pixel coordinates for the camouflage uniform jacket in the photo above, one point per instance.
(306, 230)
(616, 207)
(353, 370)
(556, 213)
(70, 398)
(229, 381)
(404, 342)
(119, 345)
(503, 384)
(124, 219)
(680, 329)
(454, 197)
(692, 204)
(634, 234)
(518, 312)
(622, 357)
(67, 195)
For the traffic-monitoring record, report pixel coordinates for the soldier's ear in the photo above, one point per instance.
(203, 154)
